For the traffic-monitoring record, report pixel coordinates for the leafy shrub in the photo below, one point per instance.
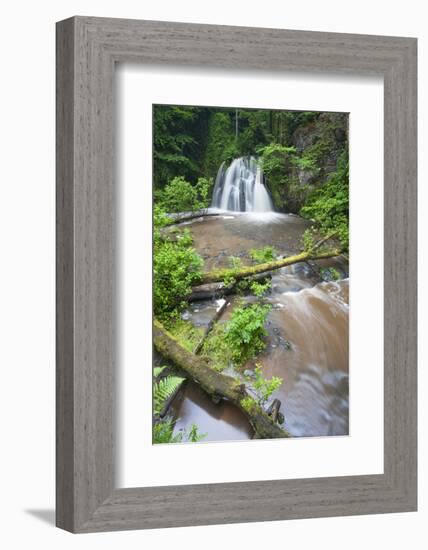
(248, 404)
(262, 255)
(265, 387)
(276, 160)
(163, 432)
(217, 349)
(178, 196)
(304, 163)
(330, 274)
(245, 332)
(176, 268)
(203, 189)
(308, 239)
(259, 289)
(329, 204)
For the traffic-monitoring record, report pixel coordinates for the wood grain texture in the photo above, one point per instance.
(87, 49)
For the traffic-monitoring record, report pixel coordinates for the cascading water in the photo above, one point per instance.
(241, 187)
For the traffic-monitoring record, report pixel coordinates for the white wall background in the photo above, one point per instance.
(27, 272)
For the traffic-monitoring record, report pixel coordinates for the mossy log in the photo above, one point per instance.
(249, 271)
(216, 384)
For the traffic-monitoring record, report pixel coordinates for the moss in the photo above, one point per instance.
(249, 405)
(216, 349)
(186, 334)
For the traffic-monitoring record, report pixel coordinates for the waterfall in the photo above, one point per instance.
(241, 187)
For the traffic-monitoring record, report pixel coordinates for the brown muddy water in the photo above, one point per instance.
(307, 342)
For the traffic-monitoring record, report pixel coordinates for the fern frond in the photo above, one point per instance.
(157, 371)
(163, 390)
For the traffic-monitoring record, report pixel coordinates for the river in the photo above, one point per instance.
(307, 342)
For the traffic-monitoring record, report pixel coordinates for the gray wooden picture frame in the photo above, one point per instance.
(87, 50)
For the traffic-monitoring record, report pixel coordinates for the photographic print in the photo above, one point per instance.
(250, 274)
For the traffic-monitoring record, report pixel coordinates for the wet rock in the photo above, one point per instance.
(286, 344)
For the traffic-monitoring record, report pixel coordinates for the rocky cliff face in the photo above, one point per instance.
(319, 144)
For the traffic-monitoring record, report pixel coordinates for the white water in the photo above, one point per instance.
(241, 188)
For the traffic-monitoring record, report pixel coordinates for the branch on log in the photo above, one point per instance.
(200, 370)
(274, 411)
(222, 307)
(324, 240)
(249, 271)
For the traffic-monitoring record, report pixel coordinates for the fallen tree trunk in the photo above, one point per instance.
(207, 291)
(200, 370)
(249, 271)
(219, 289)
(186, 216)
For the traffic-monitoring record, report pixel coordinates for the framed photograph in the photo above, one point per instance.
(236, 274)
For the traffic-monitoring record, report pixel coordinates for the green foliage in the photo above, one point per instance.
(276, 161)
(330, 274)
(163, 390)
(308, 239)
(274, 158)
(181, 196)
(259, 289)
(329, 205)
(304, 163)
(176, 268)
(176, 134)
(157, 371)
(217, 349)
(203, 188)
(163, 432)
(193, 435)
(235, 262)
(248, 404)
(160, 218)
(262, 255)
(253, 129)
(229, 280)
(178, 196)
(245, 332)
(221, 142)
(265, 387)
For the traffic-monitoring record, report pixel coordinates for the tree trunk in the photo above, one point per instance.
(214, 383)
(219, 289)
